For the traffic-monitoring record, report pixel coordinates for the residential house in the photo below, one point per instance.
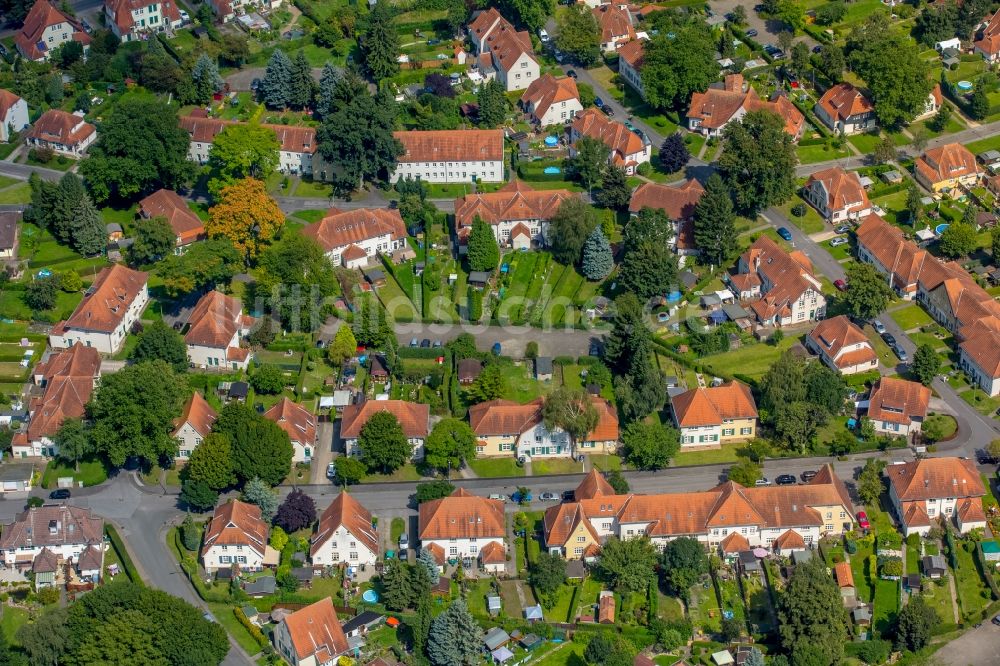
(236, 534)
(627, 149)
(615, 26)
(928, 489)
(518, 214)
(842, 346)
(551, 100)
(678, 202)
(68, 379)
(193, 425)
(708, 417)
(227, 10)
(723, 103)
(297, 145)
(216, 330)
(933, 104)
(10, 229)
(109, 309)
(132, 20)
(845, 109)
(837, 195)
(462, 525)
(413, 418)
(187, 227)
(779, 287)
(65, 133)
(13, 114)
(451, 156)
(45, 29)
(299, 423)
(64, 530)
(898, 406)
(605, 435)
(346, 535)
(946, 168)
(788, 543)
(901, 260)
(311, 636)
(505, 428)
(354, 238)
(504, 52)
(630, 59)
(987, 38)
(577, 529)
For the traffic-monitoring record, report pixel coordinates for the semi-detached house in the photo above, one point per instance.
(109, 309)
(45, 29)
(311, 636)
(837, 195)
(187, 227)
(236, 534)
(65, 133)
(414, 418)
(630, 59)
(925, 491)
(346, 535)
(898, 406)
(709, 417)
(627, 150)
(503, 52)
(193, 425)
(464, 525)
(353, 238)
(551, 100)
(296, 150)
(130, 20)
(67, 532)
(946, 168)
(518, 215)
(780, 288)
(451, 156)
(216, 330)
(678, 202)
(13, 114)
(781, 517)
(615, 26)
(845, 109)
(842, 346)
(299, 423)
(726, 102)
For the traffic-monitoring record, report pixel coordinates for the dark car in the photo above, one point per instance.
(785, 480)
(598, 102)
(255, 84)
(785, 234)
(996, 620)
(817, 49)
(595, 348)
(984, 458)
(808, 476)
(568, 495)
(752, 32)
(608, 110)
(425, 343)
(571, 73)
(60, 493)
(889, 338)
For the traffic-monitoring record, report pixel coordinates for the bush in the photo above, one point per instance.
(43, 155)
(48, 596)
(126, 560)
(798, 210)
(251, 628)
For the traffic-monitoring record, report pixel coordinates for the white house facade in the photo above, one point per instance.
(451, 156)
(103, 319)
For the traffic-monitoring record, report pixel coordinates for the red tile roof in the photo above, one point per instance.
(55, 126)
(945, 162)
(413, 417)
(315, 630)
(614, 23)
(843, 189)
(833, 335)
(292, 139)
(988, 39)
(734, 543)
(77, 361)
(606, 429)
(486, 21)
(504, 417)
(843, 101)
(901, 257)
(935, 478)
(236, 523)
(461, 515)
(593, 485)
(7, 100)
(713, 405)
(64, 398)
(633, 53)
(843, 574)
(548, 90)
(789, 540)
(53, 525)
(41, 16)
(198, 414)
(296, 420)
(493, 553)
(716, 106)
(898, 400)
(347, 512)
(342, 228)
(512, 202)
(214, 321)
(469, 145)
(622, 141)
(107, 300)
(677, 201)
(168, 204)
(507, 45)
(121, 12)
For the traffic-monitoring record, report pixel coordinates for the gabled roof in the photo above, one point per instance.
(413, 417)
(198, 414)
(620, 140)
(493, 553)
(789, 275)
(347, 512)
(512, 202)
(843, 101)
(7, 100)
(732, 508)
(945, 162)
(833, 336)
(633, 53)
(45, 562)
(236, 523)
(606, 429)
(461, 515)
(104, 305)
(77, 361)
(459, 145)
(182, 220)
(215, 321)
(53, 525)
(121, 11)
(613, 22)
(717, 106)
(294, 419)
(340, 228)
(734, 543)
(898, 400)
(548, 90)
(56, 126)
(677, 201)
(90, 559)
(30, 40)
(316, 631)
(988, 39)
(901, 257)
(970, 509)
(843, 574)
(64, 398)
(843, 189)
(935, 478)
(507, 45)
(789, 540)
(504, 417)
(485, 21)
(711, 405)
(593, 485)
(292, 138)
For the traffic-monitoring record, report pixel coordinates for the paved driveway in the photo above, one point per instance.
(767, 30)
(973, 648)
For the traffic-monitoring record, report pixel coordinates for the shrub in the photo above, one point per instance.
(43, 154)
(798, 210)
(251, 628)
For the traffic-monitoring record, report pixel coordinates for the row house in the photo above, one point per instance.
(503, 52)
(898, 406)
(837, 195)
(216, 331)
(66, 533)
(131, 20)
(354, 238)
(451, 156)
(782, 518)
(884, 246)
(709, 417)
(464, 525)
(187, 227)
(551, 100)
(678, 202)
(506, 428)
(615, 26)
(296, 145)
(726, 102)
(312, 636)
(193, 425)
(946, 168)
(300, 425)
(627, 150)
(13, 114)
(928, 490)
(45, 29)
(67, 379)
(780, 288)
(346, 534)
(518, 214)
(842, 346)
(630, 59)
(844, 109)
(64, 133)
(236, 535)
(413, 418)
(110, 308)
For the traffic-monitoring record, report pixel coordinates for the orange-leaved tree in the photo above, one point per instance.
(246, 215)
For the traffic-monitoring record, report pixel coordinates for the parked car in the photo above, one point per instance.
(784, 480)
(496, 349)
(889, 338)
(331, 470)
(521, 499)
(255, 84)
(840, 285)
(595, 348)
(808, 476)
(762, 482)
(414, 342)
(437, 343)
(817, 49)
(842, 229)
(785, 234)
(559, 57)
(542, 35)
(863, 520)
(901, 353)
(752, 32)
(996, 620)
(571, 73)
(879, 327)
(60, 493)
(404, 541)
(184, 16)
(425, 343)
(548, 497)
(568, 495)
(838, 241)
(598, 102)
(984, 458)
(608, 110)
(498, 496)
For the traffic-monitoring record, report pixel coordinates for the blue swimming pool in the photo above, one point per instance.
(964, 86)
(939, 229)
(552, 170)
(551, 140)
(371, 596)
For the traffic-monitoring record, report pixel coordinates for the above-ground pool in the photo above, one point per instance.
(964, 86)
(939, 229)
(552, 169)
(371, 596)
(673, 297)
(551, 140)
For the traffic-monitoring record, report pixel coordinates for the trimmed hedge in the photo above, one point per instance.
(251, 628)
(126, 560)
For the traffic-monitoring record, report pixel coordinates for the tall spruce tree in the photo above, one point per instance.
(484, 253)
(326, 94)
(276, 88)
(87, 228)
(615, 191)
(380, 44)
(714, 222)
(492, 101)
(303, 87)
(454, 637)
(597, 260)
(205, 77)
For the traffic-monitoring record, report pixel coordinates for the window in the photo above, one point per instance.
(353, 555)
(746, 431)
(829, 527)
(727, 432)
(578, 551)
(453, 551)
(581, 539)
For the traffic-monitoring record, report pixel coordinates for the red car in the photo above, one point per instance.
(863, 520)
(840, 284)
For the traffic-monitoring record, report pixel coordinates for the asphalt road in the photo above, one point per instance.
(973, 648)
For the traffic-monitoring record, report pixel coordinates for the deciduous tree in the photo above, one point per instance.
(41, 293)
(203, 266)
(547, 574)
(245, 215)
(715, 222)
(579, 36)
(242, 150)
(450, 444)
(489, 385)
(297, 512)
(432, 490)
(628, 564)
(268, 379)
(867, 292)
(870, 482)
(73, 442)
(958, 240)
(349, 470)
(615, 192)
(260, 448)
(650, 445)
(915, 624)
(682, 563)
(154, 239)
(211, 462)
(758, 161)
(811, 612)
(590, 161)
(159, 341)
(926, 364)
(198, 495)
(569, 228)
(745, 472)
(570, 410)
(674, 153)
(384, 447)
(675, 66)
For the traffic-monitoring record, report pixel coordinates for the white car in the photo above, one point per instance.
(878, 326)
(184, 16)
(542, 35)
(840, 240)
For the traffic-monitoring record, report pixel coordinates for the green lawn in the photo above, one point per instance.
(543, 466)
(752, 360)
(16, 194)
(823, 153)
(864, 142)
(989, 143)
(224, 614)
(980, 401)
(810, 223)
(973, 594)
(92, 473)
(886, 606)
(11, 620)
(910, 317)
(496, 467)
(725, 454)
(864, 580)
